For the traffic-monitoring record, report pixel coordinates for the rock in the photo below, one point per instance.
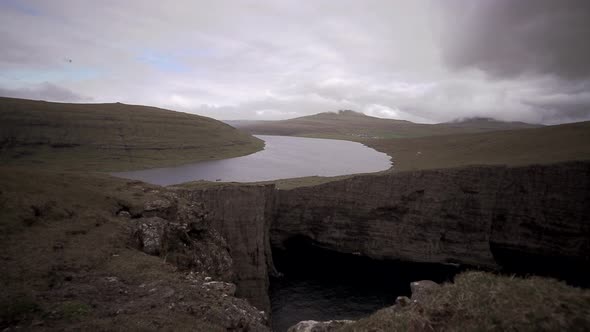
(459, 215)
(157, 205)
(223, 287)
(402, 301)
(167, 292)
(315, 326)
(241, 215)
(150, 232)
(421, 289)
(124, 214)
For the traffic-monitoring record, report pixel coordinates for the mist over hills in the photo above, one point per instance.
(347, 124)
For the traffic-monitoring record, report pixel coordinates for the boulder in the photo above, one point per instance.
(315, 326)
(421, 289)
(402, 301)
(150, 233)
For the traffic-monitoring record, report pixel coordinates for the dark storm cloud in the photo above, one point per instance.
(507, 38)
(542, 44)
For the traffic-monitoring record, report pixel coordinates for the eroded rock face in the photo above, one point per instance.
(221, 231)
(315, 326)
(150, 233)
(177, 230)
(458, 215)
(242, 216)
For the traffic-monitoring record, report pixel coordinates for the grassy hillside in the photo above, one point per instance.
(514, 147)
(69, 260)
(111, 137)
(357, 126)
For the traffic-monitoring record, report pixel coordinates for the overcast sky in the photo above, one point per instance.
(419, 60)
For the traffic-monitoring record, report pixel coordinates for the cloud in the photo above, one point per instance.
(508, 38)
(418, 60)
(44, 91)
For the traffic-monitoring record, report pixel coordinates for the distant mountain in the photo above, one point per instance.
(353, 125)
(488, 124)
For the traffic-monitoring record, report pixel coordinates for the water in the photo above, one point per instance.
(323, 285)
(282, 157)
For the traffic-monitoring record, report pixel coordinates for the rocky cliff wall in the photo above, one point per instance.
(462, 215)
(242, 215)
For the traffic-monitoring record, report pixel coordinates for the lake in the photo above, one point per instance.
(282, 157)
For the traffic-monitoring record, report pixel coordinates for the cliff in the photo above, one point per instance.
(69, 241)
(242, 215)
(92, 253)
(464, 215)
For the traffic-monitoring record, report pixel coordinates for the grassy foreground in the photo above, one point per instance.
(69, 261)
(479, 301)
(111, 137)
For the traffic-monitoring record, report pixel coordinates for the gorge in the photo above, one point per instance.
(473, 216)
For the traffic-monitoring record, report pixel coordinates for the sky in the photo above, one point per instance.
(420, 60)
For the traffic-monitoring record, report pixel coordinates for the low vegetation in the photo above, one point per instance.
(350, 125)
(479, 301)
(69, 261)
(549, 144)
(111, 137)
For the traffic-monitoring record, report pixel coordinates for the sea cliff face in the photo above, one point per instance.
(474, 216)
(463, 215)
(242, 215)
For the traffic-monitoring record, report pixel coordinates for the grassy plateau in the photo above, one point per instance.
(111, 137)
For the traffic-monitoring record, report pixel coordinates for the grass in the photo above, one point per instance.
(544, 145)
(111, 137)
(68, 262)
(74, 310)
(349, 125)
(479, 301)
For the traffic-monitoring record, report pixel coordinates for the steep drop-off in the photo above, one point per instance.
(242, 215)
(462, 215)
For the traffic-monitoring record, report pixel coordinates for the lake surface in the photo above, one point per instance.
(282, 157)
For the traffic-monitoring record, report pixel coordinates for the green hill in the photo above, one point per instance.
(512, 147)
(111, 137)
(352, 125)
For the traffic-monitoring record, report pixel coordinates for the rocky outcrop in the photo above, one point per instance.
(315, 326)
(462, 215)
(220, 231)
(178, 231)
(242, 216)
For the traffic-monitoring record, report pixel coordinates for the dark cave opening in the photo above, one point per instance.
(573, 271)
(320, 284)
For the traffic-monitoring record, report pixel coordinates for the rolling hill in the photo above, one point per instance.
(111, 137)
(566, 142)
(358, 126)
